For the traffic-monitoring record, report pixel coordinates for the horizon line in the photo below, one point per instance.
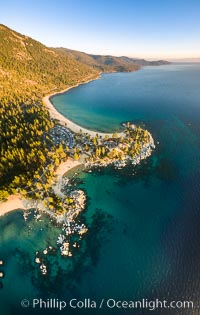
(156, 58)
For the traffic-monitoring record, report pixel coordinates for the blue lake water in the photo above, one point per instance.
(144, 235)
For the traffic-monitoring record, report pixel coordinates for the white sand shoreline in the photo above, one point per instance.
(16, 201)
(65, 121)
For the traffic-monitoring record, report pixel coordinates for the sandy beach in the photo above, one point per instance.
(15, 202)
(65, 121)
(66, 166)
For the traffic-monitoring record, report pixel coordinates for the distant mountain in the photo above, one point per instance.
(186, 60)
(143, 62)
(109, 63)
(30, 69)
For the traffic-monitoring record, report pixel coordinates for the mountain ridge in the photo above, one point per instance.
(109, 63)
(30, 69)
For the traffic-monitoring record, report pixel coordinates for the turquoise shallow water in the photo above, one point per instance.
(144, 235)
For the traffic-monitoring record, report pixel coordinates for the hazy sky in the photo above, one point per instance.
(137, 28)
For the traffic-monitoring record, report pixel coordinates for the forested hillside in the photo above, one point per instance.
(28, 71)
(110, 63)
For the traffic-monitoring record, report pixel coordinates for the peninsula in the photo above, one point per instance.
(30, 151)
(39, 145)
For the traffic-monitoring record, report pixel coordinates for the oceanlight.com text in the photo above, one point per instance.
(111, 303)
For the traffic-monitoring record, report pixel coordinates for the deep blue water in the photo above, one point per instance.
(144, 222)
